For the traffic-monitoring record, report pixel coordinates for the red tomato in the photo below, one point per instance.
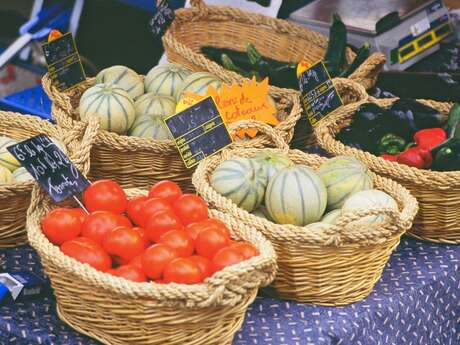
(160, 223)
(137, 262)
(124, 221)
(125, 243)
(145, 238)
(81, 214)
(152, 206)
(209, 242)
(182, 271)
(216, 224)
(129, 272)
(155, 258)
(87, 251)
(61, 225)
(165, 189)
(105, 195)
(160, 281)
(190, 208)
(226, 257)
(203, 264)
(194, 229)
(246, 249)
(99, 223)
(179, 241)
(134, 208)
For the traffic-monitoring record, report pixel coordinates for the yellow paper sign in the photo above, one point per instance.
(250, 101)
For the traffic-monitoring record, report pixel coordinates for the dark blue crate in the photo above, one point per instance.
(33, 101)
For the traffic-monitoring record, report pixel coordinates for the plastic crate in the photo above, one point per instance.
(33, 101)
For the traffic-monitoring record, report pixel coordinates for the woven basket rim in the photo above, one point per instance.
(208, 293)
(401, 172)
(297, 234)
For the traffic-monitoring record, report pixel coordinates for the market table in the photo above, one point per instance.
(417, 301)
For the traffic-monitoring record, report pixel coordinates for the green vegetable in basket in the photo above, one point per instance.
(392, 144)
(361, 55)
(335, 53)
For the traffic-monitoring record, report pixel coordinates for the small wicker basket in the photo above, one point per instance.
(116, 311)
(328, 267)
(437, 192)
(15, 197)
(140, 162)
(232, 28)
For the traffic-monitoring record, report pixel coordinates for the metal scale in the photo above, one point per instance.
(405, 31)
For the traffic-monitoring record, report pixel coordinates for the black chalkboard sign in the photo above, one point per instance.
(64, 65)
(162, 18)
(50, 167)
(319, 96)
(199, 131)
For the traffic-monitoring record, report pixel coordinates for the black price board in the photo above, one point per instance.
(319, 96)
(50, 167)
(199, 131)
(64, 65)
(162, 18)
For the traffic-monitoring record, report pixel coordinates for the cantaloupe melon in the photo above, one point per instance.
(123, 77)
(111, 105)
(166, 79)
(242, 180)
(198, 83)
(262, 212)
(344, 176)
(332, 216)
(272, 162)
(7, 160)
(155, 105)
(147, 126)
(5, 175)
(22, 175)
(296, 195)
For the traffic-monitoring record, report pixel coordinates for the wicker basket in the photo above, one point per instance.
(328, 267)
(140, 162)
(437, 192)
(116, 311)
(228, 27)
(15, 197)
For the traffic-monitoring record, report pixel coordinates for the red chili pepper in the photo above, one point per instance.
(429, 138)
(416, 157)
(392, 158)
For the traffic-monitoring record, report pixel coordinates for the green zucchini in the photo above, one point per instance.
(361, 55)
(228, 63)
(257, 61)
(335, 53)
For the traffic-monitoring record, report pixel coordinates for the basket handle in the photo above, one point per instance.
(81, 155)
(198, 4)
(367, 73)
(262, 127)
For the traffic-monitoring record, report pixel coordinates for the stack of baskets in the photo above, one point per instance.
(437, 192)
(329, 267)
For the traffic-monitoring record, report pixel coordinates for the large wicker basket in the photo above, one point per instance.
(328, 267)
(140, 162)
(437, 192)
(229, 27)
(116, 311)
(15, 197)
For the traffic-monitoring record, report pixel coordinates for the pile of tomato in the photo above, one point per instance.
(164, 237)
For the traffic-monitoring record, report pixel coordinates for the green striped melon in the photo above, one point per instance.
(369, 199)
(22, 175)
(111, 105)
(123, 77)
(165, 79)
(7, 160)
(198, 83)
(273, 162)
(344, 176)
(332, 216)
(262, 212)
(296, 195)
(5, 175)
(147, 126)
(155, 105)
(242, 180)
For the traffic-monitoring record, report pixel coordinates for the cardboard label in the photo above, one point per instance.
(50, 167)
(250, 101)
(64, 65)
(319, 96)
(199, 131)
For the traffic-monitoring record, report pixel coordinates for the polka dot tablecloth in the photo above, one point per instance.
(417, 302)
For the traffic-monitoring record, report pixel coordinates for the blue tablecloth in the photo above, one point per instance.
(417, 302)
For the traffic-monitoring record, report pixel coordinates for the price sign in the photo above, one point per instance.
(199, 131)
(50, 167)
(64, 65)
(319, 96)
(162, 18)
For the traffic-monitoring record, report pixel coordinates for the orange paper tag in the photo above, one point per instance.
(250, 101)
